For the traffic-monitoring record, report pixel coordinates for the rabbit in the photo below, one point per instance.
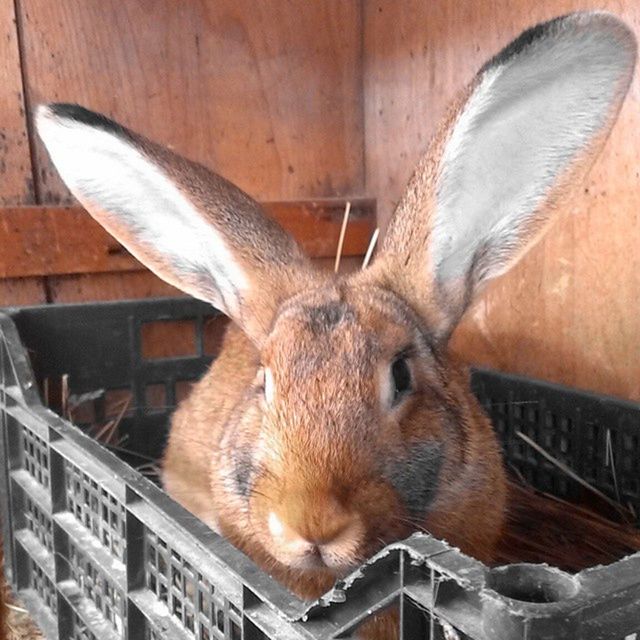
(335, 420)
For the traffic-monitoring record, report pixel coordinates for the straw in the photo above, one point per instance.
(343, 231)
(565, 469)
(370, 248)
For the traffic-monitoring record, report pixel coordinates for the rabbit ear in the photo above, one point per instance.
(527, 128)
(189, 226)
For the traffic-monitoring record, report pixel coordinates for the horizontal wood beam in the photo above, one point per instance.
(48, 241)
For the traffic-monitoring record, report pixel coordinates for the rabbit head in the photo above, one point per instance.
(355, 426)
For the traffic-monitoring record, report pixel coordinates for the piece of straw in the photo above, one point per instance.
(105, 434)
(13, 607)
(370, 248)
(65, 395)
(609, 462)
(572, 474)
(343, 230)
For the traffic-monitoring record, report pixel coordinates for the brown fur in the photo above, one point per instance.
(323, 477)
(300, 445)
(309, 466)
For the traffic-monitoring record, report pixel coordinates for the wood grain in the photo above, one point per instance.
(21, 291)
(130, 285)
(53, 241)
(267, 94)
(16, 182)
(569, 311)
(110, 286)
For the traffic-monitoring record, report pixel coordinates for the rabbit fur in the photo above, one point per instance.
(335, 420)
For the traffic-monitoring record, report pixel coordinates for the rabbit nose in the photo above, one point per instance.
(313, 537)
(318, 542)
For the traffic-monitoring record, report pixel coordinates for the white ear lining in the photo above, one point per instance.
(528, 119)
(139, 204)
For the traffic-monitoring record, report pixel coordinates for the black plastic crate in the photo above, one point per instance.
(96, 550)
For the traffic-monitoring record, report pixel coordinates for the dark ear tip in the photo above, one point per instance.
(602, 22)
(77, 113)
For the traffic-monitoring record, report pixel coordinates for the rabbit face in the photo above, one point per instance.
(362, 436)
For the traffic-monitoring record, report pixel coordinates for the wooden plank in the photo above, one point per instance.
(16, 178)
(61, 241)
(568, 312)
(135, 284)
(16, 181)
(110, 286)
(267, 94)
(316, 224)
(48, 241)
(21, 291)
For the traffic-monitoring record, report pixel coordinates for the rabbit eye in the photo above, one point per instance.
(401, 377)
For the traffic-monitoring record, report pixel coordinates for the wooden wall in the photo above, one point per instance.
(569, 311)
(296, 99)
(268, 94)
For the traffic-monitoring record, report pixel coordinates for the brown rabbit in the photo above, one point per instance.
(334, 420)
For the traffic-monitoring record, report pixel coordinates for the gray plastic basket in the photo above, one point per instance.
(95, 550)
